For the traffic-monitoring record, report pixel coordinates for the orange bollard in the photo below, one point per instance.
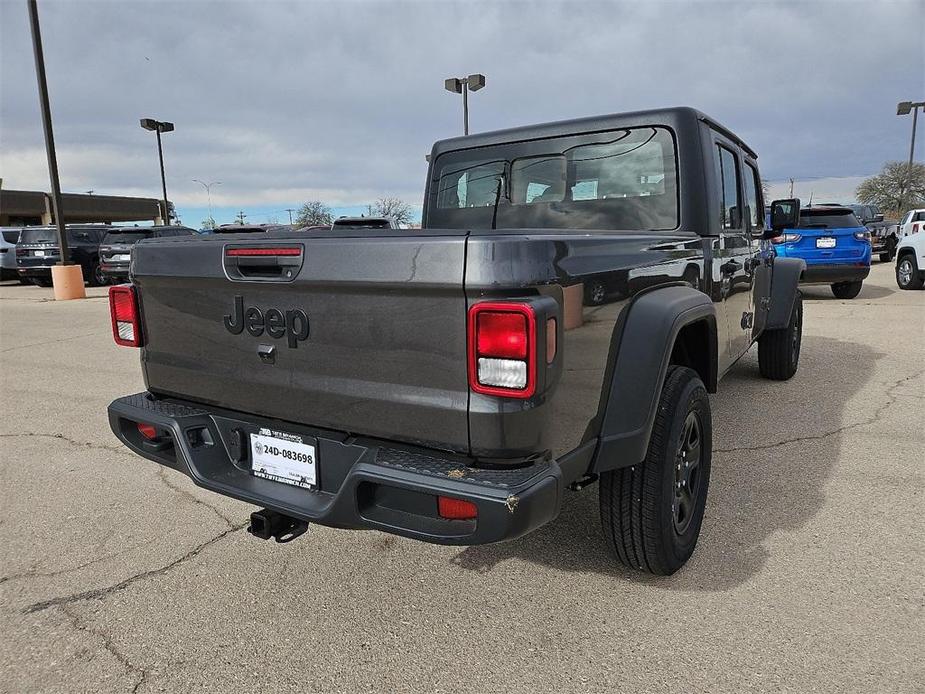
(68, 281)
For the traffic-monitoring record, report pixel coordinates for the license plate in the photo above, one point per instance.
(825, 242)
(122, 256)
(40, 254)
(283, 457)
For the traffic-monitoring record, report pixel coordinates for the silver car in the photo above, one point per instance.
(8, 238)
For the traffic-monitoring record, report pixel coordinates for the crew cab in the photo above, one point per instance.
(835, 246)
(884, 233)
(116, 246)
(37, 252)
(453, 383)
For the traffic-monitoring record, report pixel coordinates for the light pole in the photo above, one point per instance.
(160, 127)
(902, 109)
(208, 187)
(463, 85)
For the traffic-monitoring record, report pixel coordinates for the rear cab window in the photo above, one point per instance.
(828, 218)
(38, 236)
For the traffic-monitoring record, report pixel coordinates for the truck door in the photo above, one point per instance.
(735, 252)
(760, 263)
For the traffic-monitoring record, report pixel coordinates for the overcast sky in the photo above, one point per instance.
(339, 101)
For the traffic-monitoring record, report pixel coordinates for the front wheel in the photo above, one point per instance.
(846, 290)
(652, 512)
(779, 350)
(97, 278)
(907, 275)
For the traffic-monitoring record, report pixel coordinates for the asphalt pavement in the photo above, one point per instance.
(119, 576)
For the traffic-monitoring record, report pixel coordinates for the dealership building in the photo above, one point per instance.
(28, 207)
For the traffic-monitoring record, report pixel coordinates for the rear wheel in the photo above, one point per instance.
(907, 274)
(846, 290)
(97, 278)
(779, 350)
(652, 512)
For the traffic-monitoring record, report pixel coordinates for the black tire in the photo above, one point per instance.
(907, 272)
(596, 293)
(42, 281)
(652, 512)
(779, 350)
(96, 277)
(846, 290)
(886, 257)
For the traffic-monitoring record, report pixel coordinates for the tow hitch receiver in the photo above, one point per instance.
(266, 524)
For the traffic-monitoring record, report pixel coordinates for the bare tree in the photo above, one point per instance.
(893, 184)
(395, 208)
(314, 213)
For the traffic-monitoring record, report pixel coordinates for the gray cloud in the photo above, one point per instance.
(341, 101)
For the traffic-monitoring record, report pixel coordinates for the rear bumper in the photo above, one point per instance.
(34, 271)
(362, 483)
(831, 273)
(119, 270)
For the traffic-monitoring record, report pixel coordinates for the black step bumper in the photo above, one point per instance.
(362, 483)
(834, 272)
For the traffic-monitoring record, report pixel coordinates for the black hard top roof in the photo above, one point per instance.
(666, 116)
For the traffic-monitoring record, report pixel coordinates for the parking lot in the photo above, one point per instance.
(118, 575)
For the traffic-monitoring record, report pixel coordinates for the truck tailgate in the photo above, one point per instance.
(384, 353)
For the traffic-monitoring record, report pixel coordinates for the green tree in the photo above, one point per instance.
(314, 213)
(893, 184)
(395, 208)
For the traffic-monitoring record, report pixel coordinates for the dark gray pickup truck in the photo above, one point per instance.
(576, 292)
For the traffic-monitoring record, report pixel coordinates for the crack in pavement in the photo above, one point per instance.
(100, 593)
(107, 643)
(162, 476)
(891, 400)
(48, 342)
(68, 440)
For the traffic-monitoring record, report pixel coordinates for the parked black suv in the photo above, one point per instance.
(116, 248)
(37, 252)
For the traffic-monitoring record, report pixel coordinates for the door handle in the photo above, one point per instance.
(730, 267)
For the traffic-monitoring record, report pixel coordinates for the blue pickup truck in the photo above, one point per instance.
(835, 246)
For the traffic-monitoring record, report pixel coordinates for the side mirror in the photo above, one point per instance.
(785, 214)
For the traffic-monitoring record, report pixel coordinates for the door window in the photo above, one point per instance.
(753, 206)
(727, 175)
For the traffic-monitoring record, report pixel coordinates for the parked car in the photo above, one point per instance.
(910, 261)
(913, 223)
(116, 246)
(250, 228)
(452, 385)
(884, 233)
(37, 252)
(835, 246)
(365, 223)
(9, 236)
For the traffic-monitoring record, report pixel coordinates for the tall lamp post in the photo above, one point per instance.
(208, 187)
(463, 85)
(902, 109)
(160, 127)
(67, 278)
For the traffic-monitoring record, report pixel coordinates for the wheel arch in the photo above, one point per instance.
(785, 280)
(663, 326)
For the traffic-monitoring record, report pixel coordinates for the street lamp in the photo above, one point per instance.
(208, 187)
(902, 109)
(160, 127)
(463, 85)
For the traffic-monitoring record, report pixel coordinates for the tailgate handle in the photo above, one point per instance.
(263, 263)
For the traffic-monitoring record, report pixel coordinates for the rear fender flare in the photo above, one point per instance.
(785, 281)
(644, 343)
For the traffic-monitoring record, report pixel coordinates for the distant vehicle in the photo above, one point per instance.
(9, 236)
(910, 260)
(913, 223)
(116, 247)
(250, 228)
(884, 234)
(365, 223)
(315, 227)
(37, 252)
(835, 246)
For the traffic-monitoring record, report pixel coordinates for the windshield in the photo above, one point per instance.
(828, 219)
(38, 236)
(126, 236)
(625, 179)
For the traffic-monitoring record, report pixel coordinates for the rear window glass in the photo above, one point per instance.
(11, 236)
(827, 219)
(38, 236)
(126, 236)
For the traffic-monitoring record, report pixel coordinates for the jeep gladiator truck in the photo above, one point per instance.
(450, 384)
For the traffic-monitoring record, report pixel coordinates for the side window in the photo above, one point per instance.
(727, 176)
(753, 209)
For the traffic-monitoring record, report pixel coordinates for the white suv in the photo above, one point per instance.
(912, 223)
(910, 258)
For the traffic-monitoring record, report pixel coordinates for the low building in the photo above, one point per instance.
(30, 207)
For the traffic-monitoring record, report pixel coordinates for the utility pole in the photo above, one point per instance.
(902, 109)
(791, 187)
(290, 211)
(239, 218)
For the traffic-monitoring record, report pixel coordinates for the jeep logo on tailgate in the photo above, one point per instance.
(293, 323)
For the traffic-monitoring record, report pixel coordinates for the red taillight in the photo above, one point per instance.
(147, 430)
(502, 349)
(456, 509)
(126, 324)
(254, 252)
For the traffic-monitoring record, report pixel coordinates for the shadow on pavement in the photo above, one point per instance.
(753, 493)
(816, 292)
